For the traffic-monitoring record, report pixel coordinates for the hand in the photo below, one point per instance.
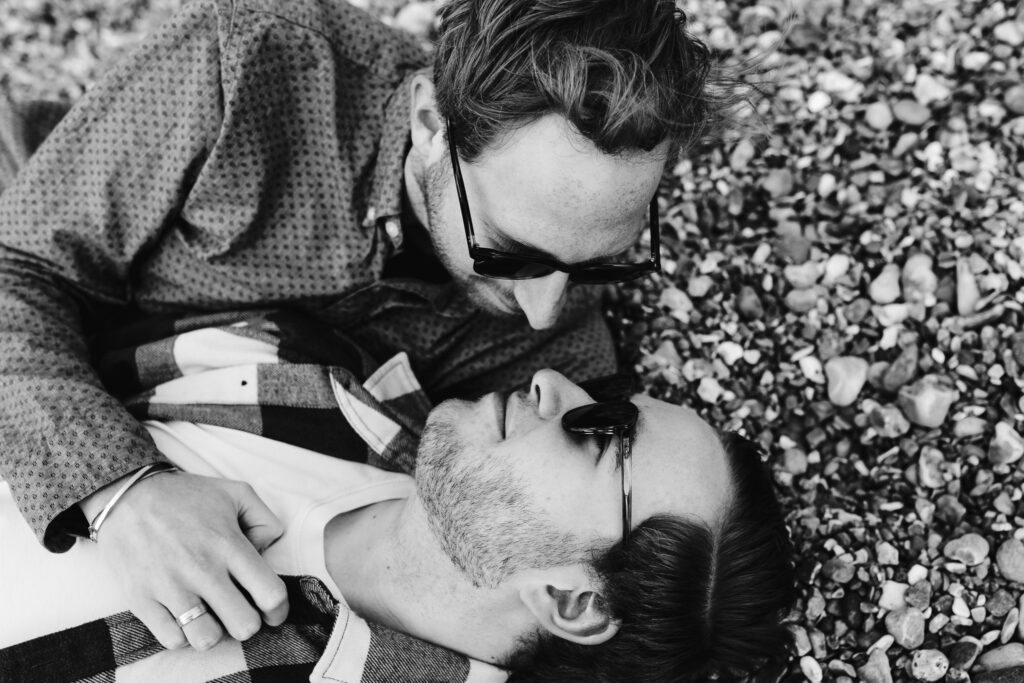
(177, 539)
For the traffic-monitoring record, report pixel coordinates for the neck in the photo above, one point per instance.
(391, 571)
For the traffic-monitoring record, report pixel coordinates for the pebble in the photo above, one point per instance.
(893, 596)
(971, 549)
(911, 112)
(742, 154)
(778, 183)
(1007, 445)
(949, 509)
(891, 314)
(709, 390)
(1010, 560)
(888, 421)
(679, 305)
(802, 300)
(748, 303)
(1013, 98)
(1013, 674)
(699, 286)
(1002, 657)
(846, 376)
(730, 352)
(878, 115)
(811, 669)
(919, 279)
(930, 463)
(1017, 346)
(919, 595)
(929, 90)
(928, 665)
(967, 292)
(927, 401)
(667, 355)
(794, 461)
(964, 652)
(969, 426)
(836, 267)
(917, 572)
(826, 185)
(818, 102)
(839, 569)
(1000, 603)
(887, 553)
(1010, 625)
(1009, 32)
(902, 370)
(876, 669)
(976, 61)
(802, 276)
(885, 288)
(857, 310)
(907, 627)
(812, 369)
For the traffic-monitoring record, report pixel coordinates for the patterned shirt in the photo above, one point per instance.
(250, 153)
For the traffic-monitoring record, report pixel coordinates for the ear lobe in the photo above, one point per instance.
(425, 123)
(578, 615)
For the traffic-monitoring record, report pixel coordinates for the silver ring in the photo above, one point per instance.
(188, 617)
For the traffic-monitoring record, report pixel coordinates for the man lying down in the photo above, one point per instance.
(539, 534)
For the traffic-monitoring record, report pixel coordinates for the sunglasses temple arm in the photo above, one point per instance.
(625, 451)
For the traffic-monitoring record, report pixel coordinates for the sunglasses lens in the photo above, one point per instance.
(610, 272)
(600, 417)
(510, 268)
(617, 387)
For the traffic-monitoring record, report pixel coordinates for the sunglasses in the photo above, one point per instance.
(503, 265)
(610, 418)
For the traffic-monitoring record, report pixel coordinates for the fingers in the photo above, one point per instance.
(265, 588)
(259, 524)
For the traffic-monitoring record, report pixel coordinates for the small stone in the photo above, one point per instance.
(918, 572)
(902, 369)
(839, 569)
(1010, 560)
(928, 665)
(416, 18)
(927, 401)
(802, 300)
(709, 390)
(891, 314)
(919, 279)
(906, 626)
(699, 286)
(964, 652)
(667, 355)
(730, 352)
(800, 640)
(795, 248)
(893, 596)
(1013, 674)
(802, 276)
(971, 549)
(836, 267)
(826, 185)
(811, 669)
(967, 292)
(742, 154)
(1017, 346)
(911, 112)
(1009, 32)
(976, 61)
(811, 367)
(818, 102)
(969, 426)
(885, 288)
(930, 464)
(1007, 446)
(878, 115)
(1000, 603)
(748, 303)
(949, 509)
(919, 595)
(876, 669)
(1002, 657)
(1010, 625)
(1013, 98)
(929, 90)
(794, 461)
(888, 421)
(778, 183)
(887, 553)
(679, 305)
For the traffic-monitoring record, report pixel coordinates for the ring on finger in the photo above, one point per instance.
(191, 615)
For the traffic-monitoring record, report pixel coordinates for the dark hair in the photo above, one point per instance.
(625, 73)
(695, 603)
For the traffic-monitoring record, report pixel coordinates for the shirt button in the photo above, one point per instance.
(394, 231)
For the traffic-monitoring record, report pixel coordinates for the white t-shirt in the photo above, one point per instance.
(43, 592)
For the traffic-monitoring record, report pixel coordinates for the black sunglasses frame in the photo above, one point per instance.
(488, 262)
(611, 418)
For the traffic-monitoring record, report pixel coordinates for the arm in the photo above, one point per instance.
(73, 228)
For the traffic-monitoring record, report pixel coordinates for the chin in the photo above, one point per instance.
(488, 298)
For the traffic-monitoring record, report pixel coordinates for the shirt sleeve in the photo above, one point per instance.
(74, 226)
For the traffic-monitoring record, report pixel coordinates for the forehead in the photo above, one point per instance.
(679, 465)
(547, 174)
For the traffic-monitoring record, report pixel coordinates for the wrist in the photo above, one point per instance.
(100, 504)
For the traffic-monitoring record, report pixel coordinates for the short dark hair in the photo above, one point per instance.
(695, 603)
(625, 73)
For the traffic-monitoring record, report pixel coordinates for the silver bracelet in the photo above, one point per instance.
(144, 473)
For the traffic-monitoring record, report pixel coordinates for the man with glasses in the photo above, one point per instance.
(297, 154)
(558, 531)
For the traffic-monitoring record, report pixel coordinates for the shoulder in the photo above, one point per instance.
(353, 34)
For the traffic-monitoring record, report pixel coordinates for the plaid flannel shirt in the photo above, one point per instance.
(289, 378)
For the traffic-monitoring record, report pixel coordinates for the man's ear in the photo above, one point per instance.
(425, 124)
(572, 609)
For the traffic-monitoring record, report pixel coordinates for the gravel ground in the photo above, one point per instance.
(846, 289)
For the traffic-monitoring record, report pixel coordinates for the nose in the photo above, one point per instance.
(555, 394)
(542, 298)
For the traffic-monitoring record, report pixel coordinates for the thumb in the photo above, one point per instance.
(259, 524)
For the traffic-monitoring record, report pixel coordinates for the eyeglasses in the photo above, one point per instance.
(611, 418)
(500, 264)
